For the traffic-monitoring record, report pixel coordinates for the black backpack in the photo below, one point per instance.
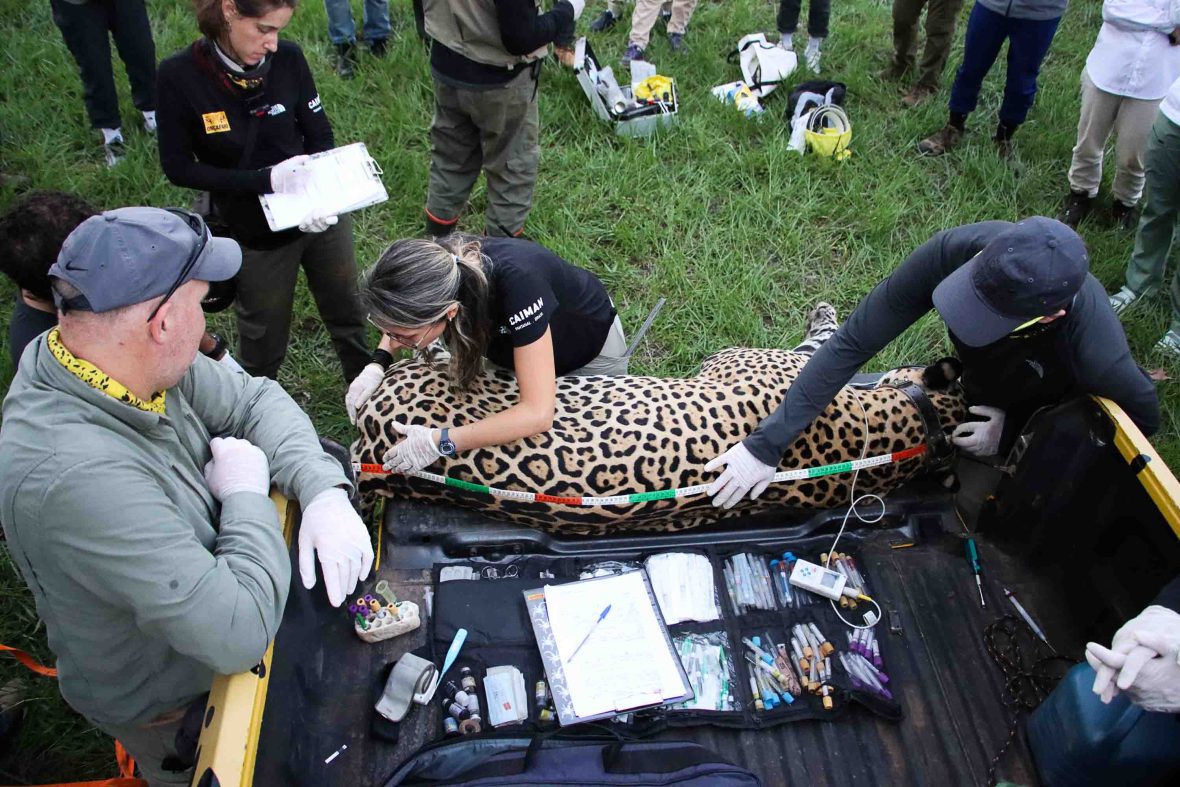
(545, 760)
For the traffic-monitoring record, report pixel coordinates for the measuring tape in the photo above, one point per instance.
(641, 497)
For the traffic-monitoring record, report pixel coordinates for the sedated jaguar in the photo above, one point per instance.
(621, 435)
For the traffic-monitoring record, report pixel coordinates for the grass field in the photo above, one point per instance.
(740, 234)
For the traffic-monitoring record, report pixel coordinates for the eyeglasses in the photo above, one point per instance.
(197, 225)
(402, 340)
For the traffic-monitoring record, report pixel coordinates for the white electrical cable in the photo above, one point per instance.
(854, 501)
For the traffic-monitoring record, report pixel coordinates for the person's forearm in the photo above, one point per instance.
(192, 174)
(523, 30)
(506, 426)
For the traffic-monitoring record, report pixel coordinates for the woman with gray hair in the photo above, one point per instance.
(507, 301)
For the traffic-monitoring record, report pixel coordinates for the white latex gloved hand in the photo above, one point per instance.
(980, 438)
(744, 472)
(230, 363)
(362, 388)
(578, 5)
(331, 529)
(315, 223)
(1153, 632)
(288, 177)
(237, 466)
(1149, 678)
(417, 449)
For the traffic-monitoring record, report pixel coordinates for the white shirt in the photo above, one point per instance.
(1133, 56)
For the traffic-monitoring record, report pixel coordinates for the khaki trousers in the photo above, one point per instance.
(1130, 119)
(648, 11)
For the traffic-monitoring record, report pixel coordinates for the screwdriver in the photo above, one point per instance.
(973, 559)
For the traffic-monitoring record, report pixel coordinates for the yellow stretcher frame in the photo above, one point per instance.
(1155, 475)
(229, 745)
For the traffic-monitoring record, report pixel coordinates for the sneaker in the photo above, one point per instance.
(378, 47)
(114, 151)
(1005, 148)
(811, 57)
(1170, 344)
(345, 61)
(943, 140)
(666, 12)
(676, 41)
(633, 53)
(786, 41)
(1123, 299)
(605, 21)
(918, 95)
(149, 121)
(1123, 215)
(1077, 207)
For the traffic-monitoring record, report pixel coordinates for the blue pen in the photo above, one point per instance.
(588, 633)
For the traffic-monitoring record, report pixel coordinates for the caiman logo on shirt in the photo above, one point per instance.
(215, 122)
(314, 105)
(525, 316)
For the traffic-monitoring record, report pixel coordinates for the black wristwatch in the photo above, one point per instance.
(446, 446)
(219, 348)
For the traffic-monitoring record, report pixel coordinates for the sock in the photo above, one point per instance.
(787, 40)
(109, 135)
(149, 120)
(958, 120)
(1004, 131)
(813, 44)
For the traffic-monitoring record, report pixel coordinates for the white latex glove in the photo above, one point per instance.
(1150, 678)
(288, 177)
(237, 466)
(417, 449)
(362, 388)
(332, 529)
(578, 5)
(315, 223)
(980, 438)
(744, 472)
(230, 363)
(1133, 646)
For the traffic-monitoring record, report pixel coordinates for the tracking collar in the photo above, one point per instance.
(939, 450)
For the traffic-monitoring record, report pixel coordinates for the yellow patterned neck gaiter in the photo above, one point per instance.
(98, 380)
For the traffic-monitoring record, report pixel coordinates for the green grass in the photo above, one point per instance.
(741, 235)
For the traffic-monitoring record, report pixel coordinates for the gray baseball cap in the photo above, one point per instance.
(1031, 270)
(131, 255)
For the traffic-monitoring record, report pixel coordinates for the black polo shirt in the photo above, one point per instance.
(534, 289)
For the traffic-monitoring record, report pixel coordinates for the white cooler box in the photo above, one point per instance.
(628, 118)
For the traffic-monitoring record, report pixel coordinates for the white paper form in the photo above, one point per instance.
(626, 663)
(343, 179)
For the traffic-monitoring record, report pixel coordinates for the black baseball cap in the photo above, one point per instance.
(131, 255)
(1031, 270)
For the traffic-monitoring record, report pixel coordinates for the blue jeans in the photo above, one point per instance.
(1028, 43)
(341, 28)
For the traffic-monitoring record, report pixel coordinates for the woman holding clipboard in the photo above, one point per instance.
(238, 115)
(507, 301)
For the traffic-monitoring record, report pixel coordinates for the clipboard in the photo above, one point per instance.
(554, 670)
(342, 180)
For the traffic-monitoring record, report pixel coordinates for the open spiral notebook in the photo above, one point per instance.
(342, 180)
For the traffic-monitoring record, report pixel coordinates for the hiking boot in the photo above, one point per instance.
(345, 61)
(378, 47)
(633, 53)
(676, 41)
(437, 229)
(942, 141)
(1123, 215)
(918, 95)
(1077, 207)
(1170, 344)
(114, 151)
(892, 72)
(605, 21)
(1122, 299)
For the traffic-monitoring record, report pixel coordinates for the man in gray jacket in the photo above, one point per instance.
(134, 480)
